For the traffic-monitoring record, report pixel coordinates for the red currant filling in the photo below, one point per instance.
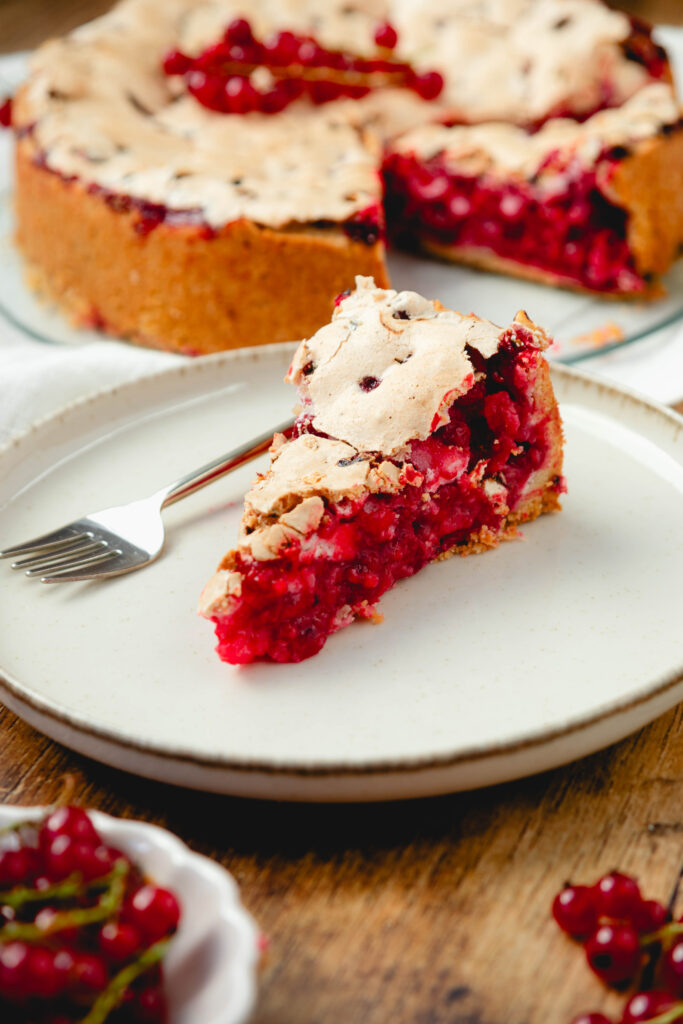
(82, 934)
(290, 605)
(220, 77)
(571, 231)
(6, 112)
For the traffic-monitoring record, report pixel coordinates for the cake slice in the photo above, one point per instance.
(596, 205)
(422, 433)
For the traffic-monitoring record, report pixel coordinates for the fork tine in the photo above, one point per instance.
(80, 570)
(65, 553)
(40, 564)
(48, 541)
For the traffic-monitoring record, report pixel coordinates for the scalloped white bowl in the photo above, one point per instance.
(211, 965)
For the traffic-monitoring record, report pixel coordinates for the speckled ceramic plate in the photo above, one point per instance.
(211, 964)
(484, 669)
(583, 326)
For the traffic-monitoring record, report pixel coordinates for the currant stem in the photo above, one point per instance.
(107, 906)
(66, 890)
(669, 931)
(113, 994)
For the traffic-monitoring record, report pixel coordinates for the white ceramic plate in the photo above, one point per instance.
(573, 320)
(485, 668)
(211, 965)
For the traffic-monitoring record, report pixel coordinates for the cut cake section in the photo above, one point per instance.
(596, 205)
(422, 433)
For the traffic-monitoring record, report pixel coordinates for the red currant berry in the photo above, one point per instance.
(428, 86)
(211, 58)
(44, 979)
(154, 911)
(643, 1006)
(14, 973)
(672, 968)
(119, 941)
(92, 861)
(6, 113)
(325, 92)
(613, 953)
(150, 1006)
(276, 99)
(281, 50)
(60, 859)
(591, 1018)
(650, 916)
(68, 821)
(618, 896)
(310, 54)
(88, 973)
(18, 867)
(386, 36)
(575, 911)
(206, 89)
(239, 33)
(176, 63)
(240, 97)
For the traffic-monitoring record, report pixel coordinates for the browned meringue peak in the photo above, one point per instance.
(505, 149)
(389, 365)
(518, 60)
(287, 502)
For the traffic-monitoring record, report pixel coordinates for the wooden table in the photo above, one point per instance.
(410, 913)
(425, 912)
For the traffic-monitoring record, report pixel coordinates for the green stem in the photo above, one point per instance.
(107, 906)
(668, 931)
(114, 992)
(66, 890)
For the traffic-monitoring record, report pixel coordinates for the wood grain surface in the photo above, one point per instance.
(427, 912)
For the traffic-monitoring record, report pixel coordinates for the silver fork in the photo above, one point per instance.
(126, 537)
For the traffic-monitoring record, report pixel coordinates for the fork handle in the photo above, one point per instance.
(223, 464)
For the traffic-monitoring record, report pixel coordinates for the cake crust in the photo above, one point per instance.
(175, 288)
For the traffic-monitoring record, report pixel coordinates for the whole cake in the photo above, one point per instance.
(202, 174)
(422, 433)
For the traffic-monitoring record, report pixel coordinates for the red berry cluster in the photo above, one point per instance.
(82, 934)
(620, 932)
(220, 77)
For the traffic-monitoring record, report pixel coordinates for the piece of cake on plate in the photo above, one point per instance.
(422, 433)
(596, 205)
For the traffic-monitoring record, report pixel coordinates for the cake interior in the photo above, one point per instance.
(496, 439)
(569, 230)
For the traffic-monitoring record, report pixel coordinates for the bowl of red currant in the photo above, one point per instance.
(110, 921)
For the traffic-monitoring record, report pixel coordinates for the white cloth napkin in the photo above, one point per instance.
(37, 379)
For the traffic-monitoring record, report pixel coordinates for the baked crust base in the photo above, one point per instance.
(485, 259)
(175, 288)
(649, 185)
